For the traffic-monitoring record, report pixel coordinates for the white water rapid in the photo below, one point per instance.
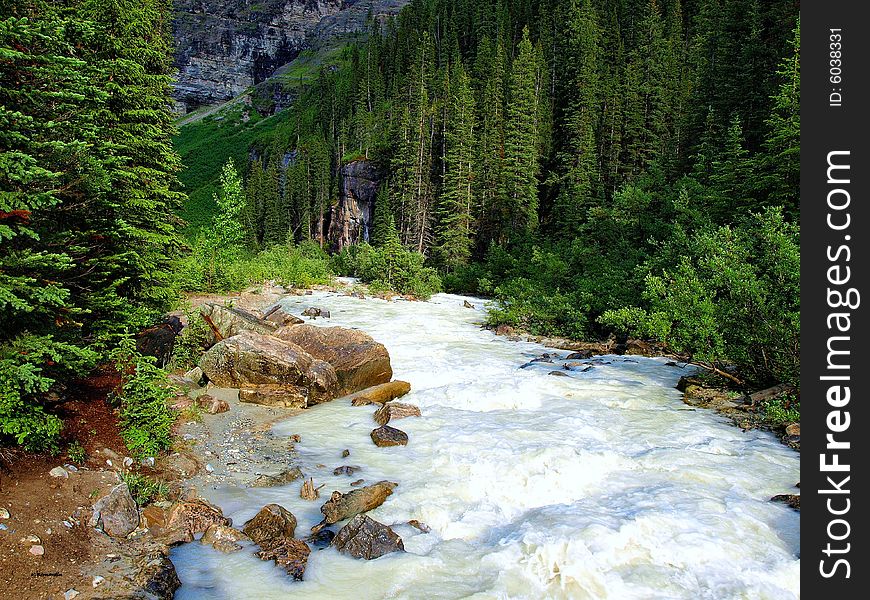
(602, 484)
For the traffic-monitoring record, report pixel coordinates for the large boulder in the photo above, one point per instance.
(281, 317)
(381, 394)
(116, 512)
(270, 526)
(363, 537)
(344, 506)
(358, 360)
(232, 321)
(250, 359)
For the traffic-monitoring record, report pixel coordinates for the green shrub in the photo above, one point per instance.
(75, 452)
(145, 391)
(29, 366)
(190, 344)
(733, 300)
(783, 410)
(392, 265)
(144, 489)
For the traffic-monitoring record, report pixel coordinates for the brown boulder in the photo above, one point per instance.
(270, 526)
(790, 500)
(365, 538)
(250, 359)
(381, 394)
(395, 410)
(290, 554)
(358, 360)
(212, 405)
(223, 538)
(186, 519)
(344, 506)
(385, 436)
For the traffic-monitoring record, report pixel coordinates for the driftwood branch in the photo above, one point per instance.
(217, 334)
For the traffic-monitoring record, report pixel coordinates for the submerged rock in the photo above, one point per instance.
(223, 538)
(116, 512)
(321, 539)
(270, 526)
(790, 500)
(381, 394)
(385, 436)
(315, 312)
(249, 360)
(358, 360)
(395, 410)
(346, 470)
(290, 554)
(284, 477)
(344, 506)
(365, 538)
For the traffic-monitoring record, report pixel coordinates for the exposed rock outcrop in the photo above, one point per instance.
(230, 321)
(352, 217)
(226, 46)
(250, 359)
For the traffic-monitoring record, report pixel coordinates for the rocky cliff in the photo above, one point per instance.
(351, 218)
(225, 46)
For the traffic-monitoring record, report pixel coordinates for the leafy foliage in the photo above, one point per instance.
(390, 267)
(144, 489)
(144, 394)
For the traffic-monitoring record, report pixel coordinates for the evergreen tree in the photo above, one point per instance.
(454, 236)
(521, 142)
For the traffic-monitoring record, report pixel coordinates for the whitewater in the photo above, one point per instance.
(601, 484)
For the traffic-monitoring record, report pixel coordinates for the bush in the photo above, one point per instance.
(144, 393)
(392, 266)
(733, 300)
(207, 270)
(29, 366)
(144, 489)
(783, 410)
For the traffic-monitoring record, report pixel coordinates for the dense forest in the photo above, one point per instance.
(597, 167)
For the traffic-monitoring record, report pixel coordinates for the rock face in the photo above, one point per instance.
(344, 506)
(116, 512)
(225, 46)
(352, 216)
(385, 436)
(365, 538)
(358, 360)
(251, 359)
(381, 394)
(270, 526)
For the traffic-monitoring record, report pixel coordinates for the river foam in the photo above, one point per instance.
(601, 484)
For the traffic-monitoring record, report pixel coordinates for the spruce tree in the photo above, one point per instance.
(454, 234)
(521, 143)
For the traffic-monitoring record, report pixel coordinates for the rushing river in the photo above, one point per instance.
(602, 484)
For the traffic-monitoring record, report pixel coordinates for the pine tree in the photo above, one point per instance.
(578, 74)
(521, 143)
(454, 235)
(382, 213)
